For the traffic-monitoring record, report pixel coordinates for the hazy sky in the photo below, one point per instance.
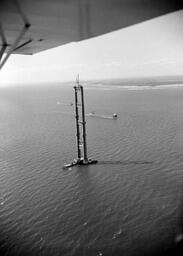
(151, 48)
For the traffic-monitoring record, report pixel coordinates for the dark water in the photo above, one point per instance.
(130, 203)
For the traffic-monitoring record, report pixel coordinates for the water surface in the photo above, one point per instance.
(129, 203)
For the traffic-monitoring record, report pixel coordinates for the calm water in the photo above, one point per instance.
(129, 203)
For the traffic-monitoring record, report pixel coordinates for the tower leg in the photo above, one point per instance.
(77, 123)
(84, 126)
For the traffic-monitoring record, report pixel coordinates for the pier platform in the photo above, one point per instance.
(80, 162)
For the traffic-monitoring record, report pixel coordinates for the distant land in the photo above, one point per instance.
(134, 81)
(138, 81)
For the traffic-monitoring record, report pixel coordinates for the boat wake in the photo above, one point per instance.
(93, 114)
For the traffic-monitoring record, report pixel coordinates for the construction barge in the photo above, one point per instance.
(82, 156)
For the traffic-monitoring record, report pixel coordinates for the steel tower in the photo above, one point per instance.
(80, 122)
(82, 157)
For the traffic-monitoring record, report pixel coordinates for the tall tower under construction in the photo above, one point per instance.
(80, 123)
(82, 156)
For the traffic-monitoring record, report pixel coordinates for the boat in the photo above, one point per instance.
(115, 116)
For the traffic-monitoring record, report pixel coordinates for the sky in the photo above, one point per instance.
(151, 48)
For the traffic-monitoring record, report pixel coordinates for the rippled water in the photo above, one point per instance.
(129, 203)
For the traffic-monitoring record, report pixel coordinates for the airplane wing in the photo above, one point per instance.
(31, 26)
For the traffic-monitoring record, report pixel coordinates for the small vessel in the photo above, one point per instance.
(115, 116)
(91, 114)
(75, 162)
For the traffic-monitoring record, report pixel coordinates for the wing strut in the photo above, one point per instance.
(4, 42)
(21, 34)
(3, 49)
(17, 40)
